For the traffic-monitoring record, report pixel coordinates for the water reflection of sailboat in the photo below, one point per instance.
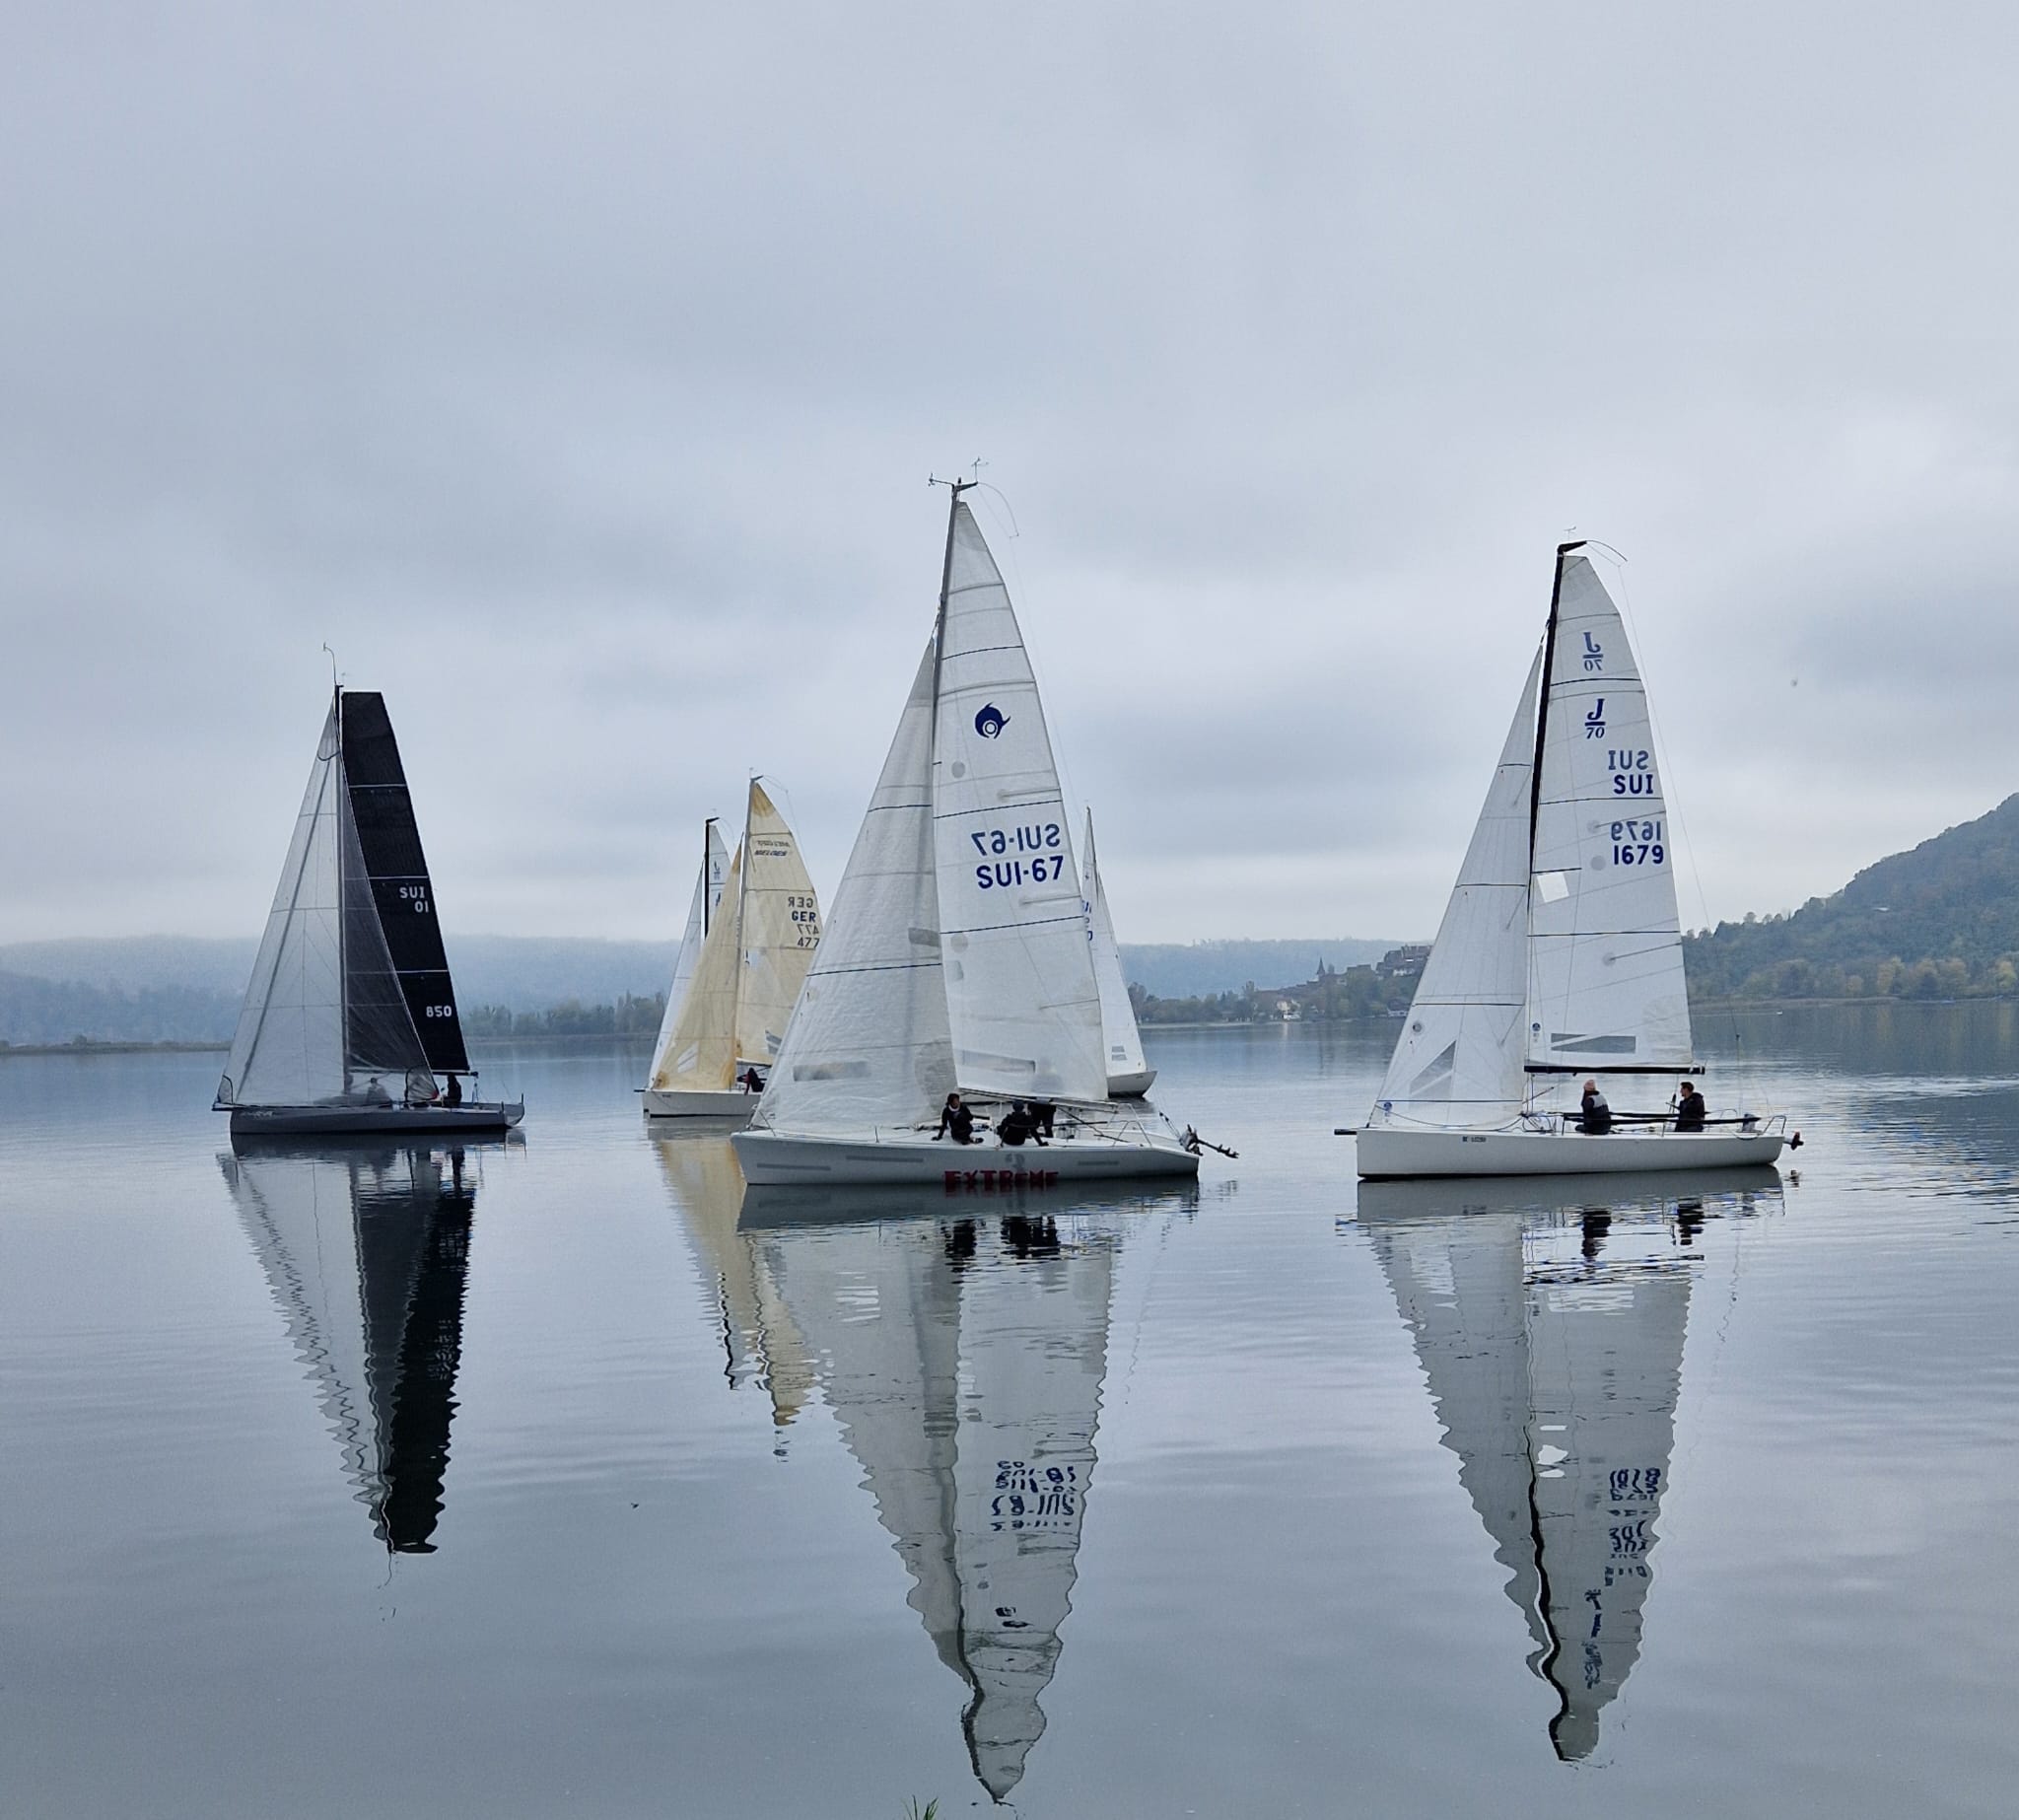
(1552, 1336)
(367, 1252)
(760, 1344)
(963, 1357)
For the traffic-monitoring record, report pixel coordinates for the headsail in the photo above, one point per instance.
(1605, 957)
(1121, 1040)
(708, 885)
(1021, 1001)
(389, 843)
(1459, 1058)
(869, 1046)
(288, 1048)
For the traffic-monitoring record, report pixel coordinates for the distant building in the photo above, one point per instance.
(1403, 963)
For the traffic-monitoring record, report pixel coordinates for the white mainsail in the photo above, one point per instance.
(1552, 1348)
(1121, 1040)
(964, 1359)
(869, 1045)
(701, 1047)
(1605, 963)
(1022, 1006)
(1458, 1060)
(708, 889)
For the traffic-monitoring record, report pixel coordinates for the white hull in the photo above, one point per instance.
(669, 1103)
(773, 1160)
(349, 1121)
(1387, 1153)
(1131, 1087)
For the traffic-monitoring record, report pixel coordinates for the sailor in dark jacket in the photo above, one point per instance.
(956, 1119)
(1595, 1116)
(1690, 1108)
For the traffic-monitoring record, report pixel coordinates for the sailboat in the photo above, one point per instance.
(1560, 957)
(964, 1359)
(1129, 1074)
(956, 956)
(367, 1252)
(1551, 1338)
(350, 1015)
(738, 972)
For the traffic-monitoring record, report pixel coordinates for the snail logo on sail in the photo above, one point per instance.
(991, 721)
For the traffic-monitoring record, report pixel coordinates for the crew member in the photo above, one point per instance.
(956, 1121)
(1595, 1117)
(1690, 1108)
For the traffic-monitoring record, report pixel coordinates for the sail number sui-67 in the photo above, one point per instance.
(1042, 841)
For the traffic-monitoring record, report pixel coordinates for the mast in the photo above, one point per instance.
(954, 490)
(343, 964)
(707, 855)
(1541, 703)
(742, 898)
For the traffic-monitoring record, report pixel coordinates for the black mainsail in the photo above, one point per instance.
(399, 896)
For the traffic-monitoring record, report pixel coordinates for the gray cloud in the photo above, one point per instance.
(575, 373)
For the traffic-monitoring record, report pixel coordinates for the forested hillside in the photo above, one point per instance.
(1941, 921)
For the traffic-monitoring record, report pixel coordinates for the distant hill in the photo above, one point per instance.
(1941, 921)
(187, 989)
(1199, 969)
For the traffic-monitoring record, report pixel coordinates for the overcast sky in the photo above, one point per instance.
(576, 372)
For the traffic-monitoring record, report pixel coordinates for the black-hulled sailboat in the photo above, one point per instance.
(350, 1021)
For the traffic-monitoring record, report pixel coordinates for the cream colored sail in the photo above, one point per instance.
(701, 1053)
(701, 912)
(779, 931)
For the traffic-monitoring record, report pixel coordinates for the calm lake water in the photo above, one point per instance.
(547, 1479)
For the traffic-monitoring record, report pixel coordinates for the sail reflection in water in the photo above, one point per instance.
(1551, 1334)
(367, 1251)
(962, 1354)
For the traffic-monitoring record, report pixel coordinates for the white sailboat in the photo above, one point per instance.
(1130, 1076)
(1559, 957)
(956, 956)
(751, 934)
(964, 1359)
(350, 1018)
(1551, 1338)
(367, 1251)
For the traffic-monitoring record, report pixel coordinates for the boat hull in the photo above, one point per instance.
(1391, 1155)
(774, 1159)
(1131, 1087)
(734, 1104)
(346, 1121)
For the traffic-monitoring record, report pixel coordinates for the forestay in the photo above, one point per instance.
(1021, 1003)
(1604, 961)
(1459, 1060)
(1122, 1039)
(869, 1046)
(708, 885)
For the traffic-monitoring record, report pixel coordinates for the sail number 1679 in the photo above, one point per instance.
(1638, 843)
